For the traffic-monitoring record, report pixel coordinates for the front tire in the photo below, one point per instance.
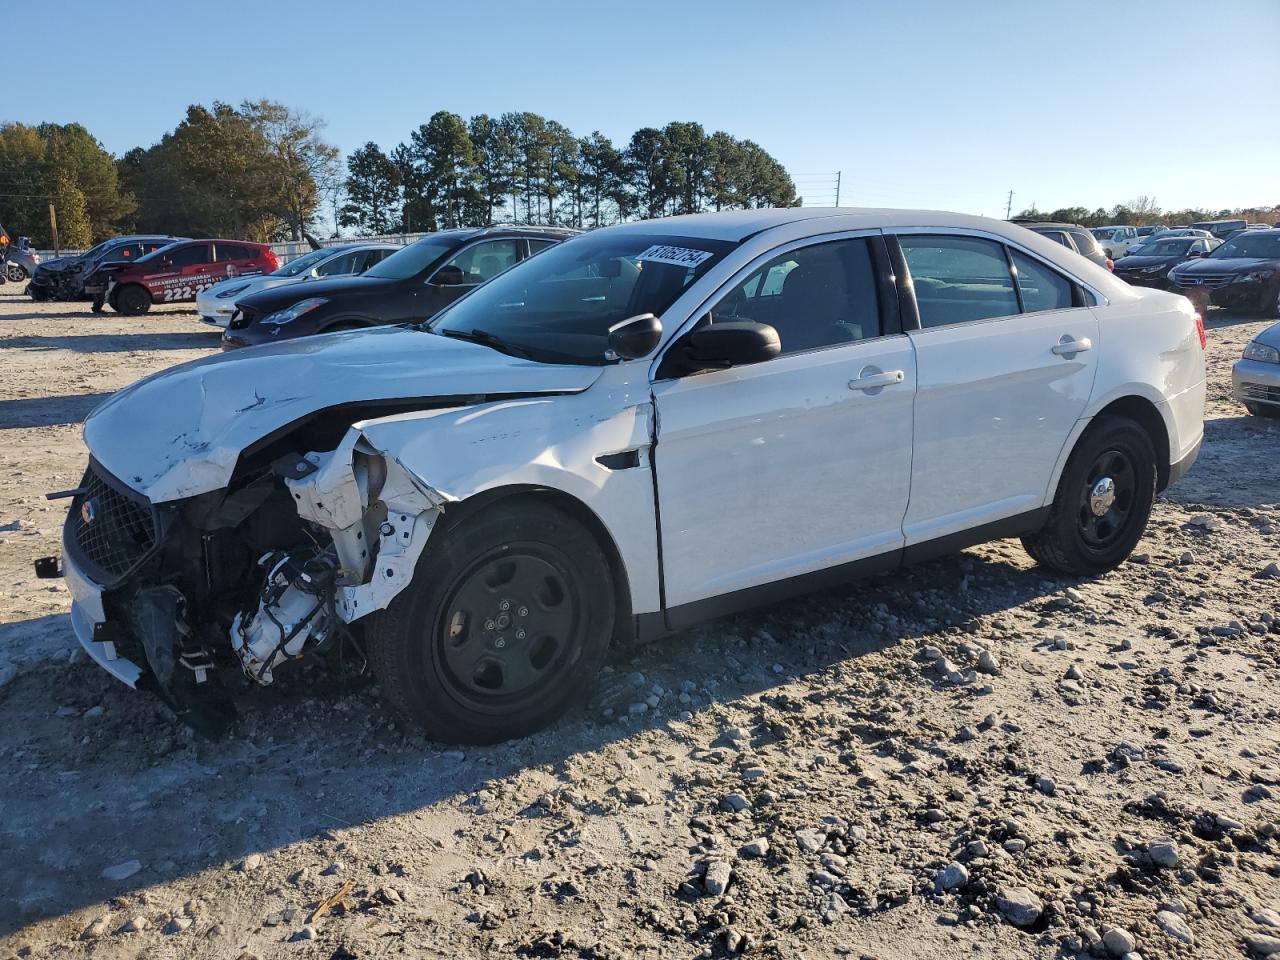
(1103, 501)
(132, 300)
(16, 272)
(1263, 410)
(506, 622)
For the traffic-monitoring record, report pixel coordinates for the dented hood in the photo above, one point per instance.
(180, 432)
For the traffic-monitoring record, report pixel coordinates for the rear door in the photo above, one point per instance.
(1006, 354)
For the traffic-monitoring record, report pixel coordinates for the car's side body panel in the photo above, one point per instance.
(774, 470)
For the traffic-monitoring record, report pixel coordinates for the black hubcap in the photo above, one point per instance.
(509, 623)
(1106, 500)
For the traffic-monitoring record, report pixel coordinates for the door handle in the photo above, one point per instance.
(1069, 347)
(875, 380)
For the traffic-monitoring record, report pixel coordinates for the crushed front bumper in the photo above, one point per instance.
(89, 621)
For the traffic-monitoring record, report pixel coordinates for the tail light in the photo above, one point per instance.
(1111, 265)
(1200, 331)
(270, 259)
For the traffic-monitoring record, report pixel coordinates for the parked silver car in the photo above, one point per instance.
(22, 262)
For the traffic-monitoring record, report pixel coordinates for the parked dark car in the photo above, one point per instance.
(1149, 264)
(1222, 228)
(411, 285)
(1072, 236)
(1243, 273)
(63, 278)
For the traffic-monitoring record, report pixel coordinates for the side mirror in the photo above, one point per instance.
(718, 346)
(636, 336)
(449, 276)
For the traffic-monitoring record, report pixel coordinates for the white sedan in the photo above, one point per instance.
(640, 428)
(217, 303)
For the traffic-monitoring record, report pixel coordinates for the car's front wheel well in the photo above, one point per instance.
(1144, 413)
(624, 625)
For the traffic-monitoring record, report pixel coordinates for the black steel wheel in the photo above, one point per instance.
(1103, 500)
(132, 300)
(508, 618)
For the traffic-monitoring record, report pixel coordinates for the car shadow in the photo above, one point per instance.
(48, 411)
(1218, 318)
(118, 342)
(131, 784)
(1236, 465)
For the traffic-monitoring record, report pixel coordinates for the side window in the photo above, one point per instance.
(370, 258)
(958, 279)
(485, 261)
(1058, 237)
(191, 256)
(230, 251)
(538, 245)
(1041, 288)
(338, 266)
(816, 296)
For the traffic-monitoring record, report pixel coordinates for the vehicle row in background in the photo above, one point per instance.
(63, 278)
(1243, 273)
(1072, 236)
(217, 303)
(410, 286)
(1149, 264)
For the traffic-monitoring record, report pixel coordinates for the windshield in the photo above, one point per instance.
(99, 249)
(296, 268)
(413, 259)
(1163, 248)
(559, 305)
(1256, 246)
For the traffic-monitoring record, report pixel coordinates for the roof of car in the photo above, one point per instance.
(1046, 224)
(738, 225)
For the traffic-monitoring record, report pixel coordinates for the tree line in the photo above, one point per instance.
(524, 168)
(262, 171)
(1146, 211)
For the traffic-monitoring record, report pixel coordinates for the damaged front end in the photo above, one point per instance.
(186, 597)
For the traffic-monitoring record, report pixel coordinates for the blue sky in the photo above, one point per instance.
(930, 104)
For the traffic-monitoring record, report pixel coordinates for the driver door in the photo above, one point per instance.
(798, 465)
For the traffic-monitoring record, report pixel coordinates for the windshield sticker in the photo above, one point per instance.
(676, 256)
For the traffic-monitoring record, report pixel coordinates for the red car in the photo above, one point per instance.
(176, 273)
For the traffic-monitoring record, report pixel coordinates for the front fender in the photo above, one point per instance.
(592, 448)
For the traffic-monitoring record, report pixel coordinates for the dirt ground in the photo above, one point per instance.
(804, 781)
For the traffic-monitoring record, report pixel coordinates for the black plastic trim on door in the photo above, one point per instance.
(909, 312)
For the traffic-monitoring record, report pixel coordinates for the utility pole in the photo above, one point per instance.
(1008, 207)
(837, 188)
(53, 228)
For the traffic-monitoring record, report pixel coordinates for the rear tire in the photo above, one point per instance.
(16, 272)
(132, 300)
(1103, 501)
(505, 624)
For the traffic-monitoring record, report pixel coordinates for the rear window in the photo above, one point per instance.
(230, 251)
(1084, 242)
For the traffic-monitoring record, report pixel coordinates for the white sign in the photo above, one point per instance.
(676, 256)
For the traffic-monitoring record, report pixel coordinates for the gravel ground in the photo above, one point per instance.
(1098, 773)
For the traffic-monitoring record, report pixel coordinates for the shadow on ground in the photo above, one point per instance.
(131, 784)
(117, 342)
(48, 411)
